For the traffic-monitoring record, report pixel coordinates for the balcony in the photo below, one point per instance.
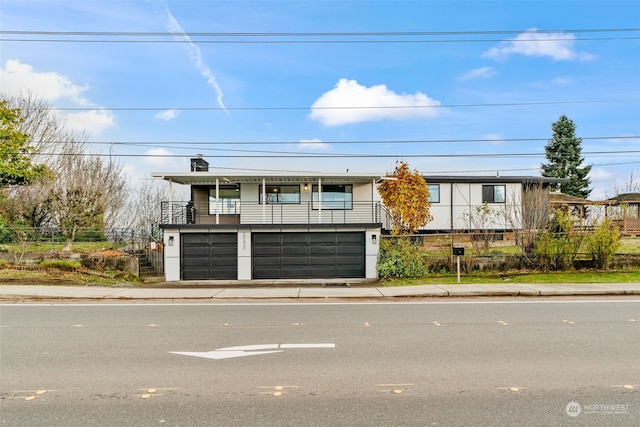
(239, 213)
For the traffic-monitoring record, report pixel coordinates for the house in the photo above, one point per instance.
(625, 209)
(456, 199)
(249, 226)
(246, 226)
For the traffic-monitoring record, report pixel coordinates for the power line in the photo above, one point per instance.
(311, 34)
(326, 155)
(388, 141)
(354, 107)
(236, 42)
(304, 37)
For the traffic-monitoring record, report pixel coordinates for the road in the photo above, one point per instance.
(433, 363)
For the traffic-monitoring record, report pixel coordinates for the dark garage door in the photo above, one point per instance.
(209, 256)
(308, 255)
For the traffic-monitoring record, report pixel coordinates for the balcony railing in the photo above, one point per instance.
(232, 212)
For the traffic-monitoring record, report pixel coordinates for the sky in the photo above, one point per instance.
(449, 87)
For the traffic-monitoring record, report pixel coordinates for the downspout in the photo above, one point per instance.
(319, 200)
(218, 204)
(171, 201)
(264, 200)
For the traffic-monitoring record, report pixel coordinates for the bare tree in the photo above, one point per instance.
(528, 217)
(631, 186)
(482, 220)
(141, 212)
(88, 192)
(46, 129)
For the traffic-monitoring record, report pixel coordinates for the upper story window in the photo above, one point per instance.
(280, 194)
(434, 193)
(333, 196)
(494, 194)
(228, 197)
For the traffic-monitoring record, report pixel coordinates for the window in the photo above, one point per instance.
(281, 194)
(493, 194)
(434, 193)
(333, 197)
(226, 204)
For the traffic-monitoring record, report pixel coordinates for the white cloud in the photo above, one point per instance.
(559, 46)
(159, 157)
(55, 88)
(478, 73)
(49, 86)
(313, 144)
(166, 115)
(350, 102)
(92, 121)
(196, 56)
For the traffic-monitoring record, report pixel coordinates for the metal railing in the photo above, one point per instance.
(236, 212)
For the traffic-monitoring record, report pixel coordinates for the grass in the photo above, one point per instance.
(82, 247)
(631, 276)
(55, 277)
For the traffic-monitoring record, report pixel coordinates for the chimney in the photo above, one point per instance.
(199, 164)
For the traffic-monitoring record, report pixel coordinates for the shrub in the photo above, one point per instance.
(399, 257)
(61, 264)
(603, 242)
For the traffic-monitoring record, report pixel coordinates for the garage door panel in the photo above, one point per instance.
(292, 238)
(340, 251)
(195, 239)
(308, 255)
(296, 251)
(350, 238)
(267, 238)
(322, 251)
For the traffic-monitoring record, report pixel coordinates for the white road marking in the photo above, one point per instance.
(249, 350)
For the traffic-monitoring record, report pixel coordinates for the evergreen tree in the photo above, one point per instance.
(564, 155)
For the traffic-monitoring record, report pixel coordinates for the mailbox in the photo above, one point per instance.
(458, 251)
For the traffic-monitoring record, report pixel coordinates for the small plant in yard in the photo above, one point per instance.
(61, 264)
(399, 257)
(603, 242)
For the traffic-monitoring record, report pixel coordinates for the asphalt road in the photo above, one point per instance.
(438, 363)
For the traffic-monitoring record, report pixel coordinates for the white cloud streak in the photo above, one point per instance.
(349, 102)
(478, 73)
(167, 115)
(558, 46)
(195, 55)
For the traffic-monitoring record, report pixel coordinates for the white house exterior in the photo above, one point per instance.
(315, 226)
(285, 226)
(454, 199)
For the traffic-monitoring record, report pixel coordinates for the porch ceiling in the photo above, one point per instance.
(207, 178)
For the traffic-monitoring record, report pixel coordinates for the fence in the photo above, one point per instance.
(503, 250)
(25, 245)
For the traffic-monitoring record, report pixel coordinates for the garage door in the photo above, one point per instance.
(308, 255)
(209, 256)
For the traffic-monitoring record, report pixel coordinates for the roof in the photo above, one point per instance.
(626, 198)
(493, 178)
(568, 199)
(208, 178)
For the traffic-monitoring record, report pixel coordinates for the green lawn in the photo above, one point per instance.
(521, 277)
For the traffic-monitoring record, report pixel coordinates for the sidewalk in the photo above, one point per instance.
(12, 293)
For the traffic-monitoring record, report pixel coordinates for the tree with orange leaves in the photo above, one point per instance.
(405, 193)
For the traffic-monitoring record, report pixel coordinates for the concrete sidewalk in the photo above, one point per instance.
(12, 293)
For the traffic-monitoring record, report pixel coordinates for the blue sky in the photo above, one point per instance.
(462, 80)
